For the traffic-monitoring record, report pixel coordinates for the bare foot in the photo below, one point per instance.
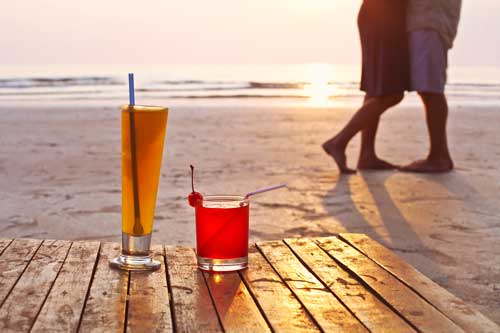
(429, 166)
(374, 163)
(338, 155)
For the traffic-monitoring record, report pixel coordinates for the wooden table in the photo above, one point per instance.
(348, 283)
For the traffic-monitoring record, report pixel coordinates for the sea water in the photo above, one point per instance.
(309, 85)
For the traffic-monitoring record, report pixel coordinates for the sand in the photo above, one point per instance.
(60, 178)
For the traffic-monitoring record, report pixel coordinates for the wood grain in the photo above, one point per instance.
(149, 307)
(283, 311)
(13, 261)
(325, 308)
(4, 243)
(235, 306)
(372, 312)
(64, 305)
(452, 306)
(105, 307)
(410, 305)
(192, 304)
(346, 284)
(21, 307)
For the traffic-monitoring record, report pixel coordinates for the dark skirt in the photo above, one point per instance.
(384, 45)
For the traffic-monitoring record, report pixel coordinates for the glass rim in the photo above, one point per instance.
(216, 198)
(147, 108)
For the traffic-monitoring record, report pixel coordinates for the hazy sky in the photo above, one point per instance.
(210, 32)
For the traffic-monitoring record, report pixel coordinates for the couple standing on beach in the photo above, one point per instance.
(405, 47)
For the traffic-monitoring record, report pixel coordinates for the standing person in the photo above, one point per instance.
(432, 27)
(385, 77)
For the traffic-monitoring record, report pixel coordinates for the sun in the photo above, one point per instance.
(310, 5)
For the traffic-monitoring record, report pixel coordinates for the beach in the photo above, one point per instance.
(60, 178)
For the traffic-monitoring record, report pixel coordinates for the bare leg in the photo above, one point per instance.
(439, 159)
(366, 116)
(368, 159)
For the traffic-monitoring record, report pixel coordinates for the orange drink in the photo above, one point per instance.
(143, 134)
(150, 126)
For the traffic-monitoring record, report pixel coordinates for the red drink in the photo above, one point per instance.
(222, 233)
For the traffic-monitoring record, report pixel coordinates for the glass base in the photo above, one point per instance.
(136, 254)
(222, 265)
(134, 263)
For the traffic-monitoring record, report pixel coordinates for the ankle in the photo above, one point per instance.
(367, 155)
(439, 157)
(442, 159)
(336, 144)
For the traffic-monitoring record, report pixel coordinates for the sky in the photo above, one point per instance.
(38, 32)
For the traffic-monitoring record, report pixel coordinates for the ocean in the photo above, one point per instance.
(309, 85)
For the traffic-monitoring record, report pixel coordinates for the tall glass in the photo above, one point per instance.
(143, 134)
(222, 233)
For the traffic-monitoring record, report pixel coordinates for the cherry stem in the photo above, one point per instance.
(192, 177)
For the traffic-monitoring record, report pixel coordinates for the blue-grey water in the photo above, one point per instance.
(289, 85)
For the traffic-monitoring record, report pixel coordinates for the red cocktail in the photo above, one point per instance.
(222, 232)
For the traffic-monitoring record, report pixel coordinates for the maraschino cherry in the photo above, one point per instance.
(194, 198)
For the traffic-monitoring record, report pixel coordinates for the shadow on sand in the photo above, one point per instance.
(363, 203)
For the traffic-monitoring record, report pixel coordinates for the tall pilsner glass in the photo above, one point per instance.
(143, 134)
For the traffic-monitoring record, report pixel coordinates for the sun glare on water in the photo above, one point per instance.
(318, 87)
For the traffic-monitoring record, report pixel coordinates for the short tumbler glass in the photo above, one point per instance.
(222, 233)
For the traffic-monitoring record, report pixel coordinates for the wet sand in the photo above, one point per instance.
(60, 178)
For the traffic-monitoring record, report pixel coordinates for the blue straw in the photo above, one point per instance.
(138, 229)
(131, 93)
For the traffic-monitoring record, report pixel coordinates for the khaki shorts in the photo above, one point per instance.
(428, 61)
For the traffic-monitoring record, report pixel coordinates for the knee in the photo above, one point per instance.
(431, 96)
(433, 100)
(388, 101)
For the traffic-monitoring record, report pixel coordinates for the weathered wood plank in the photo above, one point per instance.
(105, 307)
(325, 308)
(13, 262)
(283, 311)
(404, 300)
(3, 244)
(27, 297)
(453, 307)
(236, 308)
(374, 314)
(64, 305)
(192, 304)
(149, 307)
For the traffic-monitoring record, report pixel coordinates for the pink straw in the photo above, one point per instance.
(267, 189)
